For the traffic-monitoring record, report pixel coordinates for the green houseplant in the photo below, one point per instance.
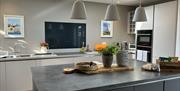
(107, 54)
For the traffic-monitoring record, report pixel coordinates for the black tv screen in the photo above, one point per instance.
(61, 35)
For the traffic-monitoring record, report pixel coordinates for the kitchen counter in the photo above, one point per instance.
(52, 78)
(49, 56)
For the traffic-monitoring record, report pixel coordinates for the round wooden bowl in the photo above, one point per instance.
(86, 66)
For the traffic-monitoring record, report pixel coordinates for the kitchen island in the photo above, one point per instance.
(52, 78)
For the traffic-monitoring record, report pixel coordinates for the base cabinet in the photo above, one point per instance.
(167, 85)
(172, 85)
(157, 86)
(18, 75)
(123, 89)
(2, 77)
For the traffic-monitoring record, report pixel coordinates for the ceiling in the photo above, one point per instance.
(129, 2)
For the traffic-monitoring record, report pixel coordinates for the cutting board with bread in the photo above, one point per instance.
(93, 68)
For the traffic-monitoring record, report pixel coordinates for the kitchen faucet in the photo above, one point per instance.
(18, 46)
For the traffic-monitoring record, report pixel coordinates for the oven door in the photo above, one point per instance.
(144, 40)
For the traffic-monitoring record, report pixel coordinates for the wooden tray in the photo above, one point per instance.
(170, 70)
(169, 65)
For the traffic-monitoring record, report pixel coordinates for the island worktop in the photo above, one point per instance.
(52, 78)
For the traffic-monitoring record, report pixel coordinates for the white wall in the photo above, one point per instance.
(36, 12)
(178, 32)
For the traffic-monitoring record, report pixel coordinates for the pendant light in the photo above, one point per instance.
(79, 10)
(140, 14)
(112, 13)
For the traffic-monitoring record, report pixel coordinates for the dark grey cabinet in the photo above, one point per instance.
(156, 86)
(172, 85)
(123, 89)
(163, 85)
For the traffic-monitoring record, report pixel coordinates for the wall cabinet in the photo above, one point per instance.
(164, 35)
(157, 86)
(148, 25)
(131, 24)
(18, 75)
(172, 85)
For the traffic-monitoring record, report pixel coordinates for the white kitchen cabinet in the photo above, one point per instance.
(148, 25)
(178, 32)
(18, 75)
(2, 77)
(164, 35)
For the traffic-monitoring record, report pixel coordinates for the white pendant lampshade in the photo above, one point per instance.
(78, 10)
(112, 13)
(140, 14)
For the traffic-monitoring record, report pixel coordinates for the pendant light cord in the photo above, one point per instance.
(140, 3)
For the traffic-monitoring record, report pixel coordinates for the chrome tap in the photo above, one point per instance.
(18, 46)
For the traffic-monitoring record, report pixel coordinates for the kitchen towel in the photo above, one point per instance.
(139, 55)
(145, 56)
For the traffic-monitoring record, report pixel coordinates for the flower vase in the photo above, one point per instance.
(43, 49)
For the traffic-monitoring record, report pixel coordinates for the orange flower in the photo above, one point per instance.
(100, 47)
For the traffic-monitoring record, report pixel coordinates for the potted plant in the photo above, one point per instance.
(107, 54)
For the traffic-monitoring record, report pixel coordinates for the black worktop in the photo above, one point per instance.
(52, 78)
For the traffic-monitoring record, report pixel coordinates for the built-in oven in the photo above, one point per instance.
(144, 45)
(144, 38)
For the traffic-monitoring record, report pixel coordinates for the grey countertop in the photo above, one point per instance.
(50, 56)
(52, 78)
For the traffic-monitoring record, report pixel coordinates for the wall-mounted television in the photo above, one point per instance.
(63, 35)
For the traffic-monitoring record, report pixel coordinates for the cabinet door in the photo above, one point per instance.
(18, 75)
(2, 77)
(157, 86)
(164, 30)
(178, 32)
(172, 85)
(148, 25)
(123, 89)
